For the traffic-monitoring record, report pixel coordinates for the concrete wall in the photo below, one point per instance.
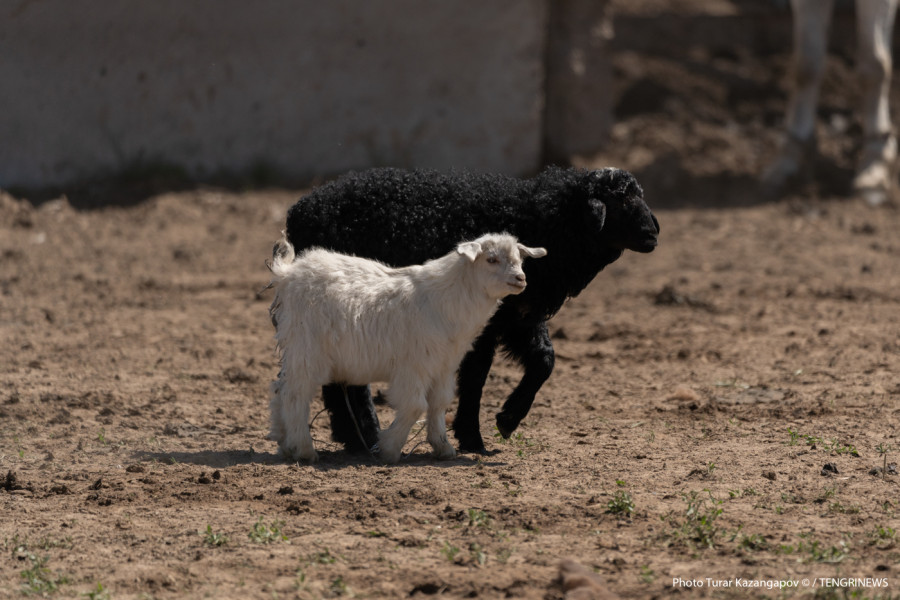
(578, 114)
(307, 87)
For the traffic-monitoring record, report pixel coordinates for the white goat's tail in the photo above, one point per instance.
(282, 256)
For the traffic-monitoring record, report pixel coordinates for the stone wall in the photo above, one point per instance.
(303, 87)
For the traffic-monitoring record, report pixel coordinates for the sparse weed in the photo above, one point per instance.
(262, 534)
(339, 587)
(839, 448)
(883, 537)
(741, 493)
(647, 575)
(300, 579)
(478, 518)
(753, 542)
(322, 557)
(477, 554)
(39, 579)
(449, 551)
(814, 551)
(213, 539)
(814, 441)
(98, 593)
(512, 491)
(837, 507)
(503, 554)
(621, 504)
(883, 450)
(518, 439)
(697, 528)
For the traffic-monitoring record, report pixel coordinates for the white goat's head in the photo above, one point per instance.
(498, 258)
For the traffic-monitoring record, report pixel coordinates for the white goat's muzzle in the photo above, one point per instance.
(518, 283)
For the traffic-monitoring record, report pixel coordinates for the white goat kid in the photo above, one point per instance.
(344, 319)
(875, 22)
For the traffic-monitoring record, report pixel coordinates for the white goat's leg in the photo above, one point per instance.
(296, 393)
(875, 23)
(440, 397)
(408, 401)
(276, 417)
(811, 21)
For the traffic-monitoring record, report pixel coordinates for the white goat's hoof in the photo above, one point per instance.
(445, 452)
(296, 455)
(389, 454)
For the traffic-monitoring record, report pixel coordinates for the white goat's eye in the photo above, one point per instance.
(492, 260)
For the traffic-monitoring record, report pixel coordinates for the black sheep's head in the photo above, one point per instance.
(616, 198)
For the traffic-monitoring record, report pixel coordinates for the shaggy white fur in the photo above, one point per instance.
(344, 319)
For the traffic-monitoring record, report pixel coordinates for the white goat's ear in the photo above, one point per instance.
(470, 250)
(532, 252)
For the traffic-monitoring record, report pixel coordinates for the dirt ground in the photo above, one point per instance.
(719, 415)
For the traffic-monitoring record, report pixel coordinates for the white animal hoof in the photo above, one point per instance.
(390, 456)
(445, 453)
(296, 455)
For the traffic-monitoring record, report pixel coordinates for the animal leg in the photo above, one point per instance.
(295, 396)
(473, 373)
(440, 397)
(533, 348)
(408, 401)
(276, 417)
(344, 420)
(811, 21)
(875, 22)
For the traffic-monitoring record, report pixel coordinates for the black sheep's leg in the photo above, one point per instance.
(344, 423)
(531, 346)
(473, 372)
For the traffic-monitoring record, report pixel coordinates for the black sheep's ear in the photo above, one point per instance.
(597, 211)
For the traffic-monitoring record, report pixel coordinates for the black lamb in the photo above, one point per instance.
(584, 218)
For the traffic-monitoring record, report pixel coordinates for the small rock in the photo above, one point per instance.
(770, 475)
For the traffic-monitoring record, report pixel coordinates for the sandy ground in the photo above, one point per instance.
(720, 411)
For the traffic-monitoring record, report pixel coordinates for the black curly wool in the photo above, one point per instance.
(585, 219)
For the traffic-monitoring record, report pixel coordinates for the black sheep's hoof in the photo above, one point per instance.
(471, 443)
(355, 447)
(506, 425)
